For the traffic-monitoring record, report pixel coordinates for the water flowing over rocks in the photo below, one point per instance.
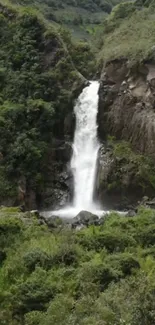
(83, 219)
(85, 148)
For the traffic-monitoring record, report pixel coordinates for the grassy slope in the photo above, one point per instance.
(132, 36)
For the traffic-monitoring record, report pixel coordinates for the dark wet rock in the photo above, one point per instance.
(147, 202)
(85, 218)
(131, 213)
(151, 204)
(58, 186)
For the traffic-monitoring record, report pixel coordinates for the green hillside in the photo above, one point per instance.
(129, 32)
(38, 83)
(87, 271)
(80, 16)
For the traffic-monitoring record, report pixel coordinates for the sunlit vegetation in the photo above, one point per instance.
(99, 275)
(129, 32)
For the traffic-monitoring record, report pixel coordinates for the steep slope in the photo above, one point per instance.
(38, 83)
(129, 32)
(80, 16)
(126, 108)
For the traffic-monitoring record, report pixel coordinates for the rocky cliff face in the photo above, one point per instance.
(126, 111)
(126, 107)
(58, 186)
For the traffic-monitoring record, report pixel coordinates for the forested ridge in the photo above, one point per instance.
(39, 82)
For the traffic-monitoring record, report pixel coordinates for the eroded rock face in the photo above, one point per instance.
(57, 190)
(118, 185)
(126, 104)
(127, 112)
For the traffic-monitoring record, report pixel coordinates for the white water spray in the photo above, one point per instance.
(85, 152)
(86, 148)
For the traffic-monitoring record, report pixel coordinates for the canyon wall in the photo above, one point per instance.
(126, 118)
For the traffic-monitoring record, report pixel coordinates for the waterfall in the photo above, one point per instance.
(85, 151)
(85, 148)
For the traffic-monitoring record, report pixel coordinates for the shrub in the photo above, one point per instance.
(36, 257)
(113, 241)
(33, 294)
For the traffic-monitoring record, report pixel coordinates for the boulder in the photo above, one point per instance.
(147, 202)
(85, 218)
(131, 213)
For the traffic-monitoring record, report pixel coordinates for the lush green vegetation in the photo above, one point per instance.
(129, 32)
(143, 165)
(98, 275)
(38, 83)
(134, 173)
(80, 16)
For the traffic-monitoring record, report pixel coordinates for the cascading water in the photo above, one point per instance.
(85, 152)
(85, 148)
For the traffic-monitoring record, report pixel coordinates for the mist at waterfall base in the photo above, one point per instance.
(85, 152)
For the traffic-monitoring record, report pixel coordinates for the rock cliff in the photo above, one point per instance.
(127, 115)
(126, 106)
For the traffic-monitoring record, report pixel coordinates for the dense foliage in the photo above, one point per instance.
(98, 275)
(37, 84)
(141, 169)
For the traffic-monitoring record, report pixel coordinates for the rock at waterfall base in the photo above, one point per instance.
(85, 218)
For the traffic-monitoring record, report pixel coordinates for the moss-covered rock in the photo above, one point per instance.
(124, 176)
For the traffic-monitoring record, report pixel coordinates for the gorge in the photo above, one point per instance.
(69, 144)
